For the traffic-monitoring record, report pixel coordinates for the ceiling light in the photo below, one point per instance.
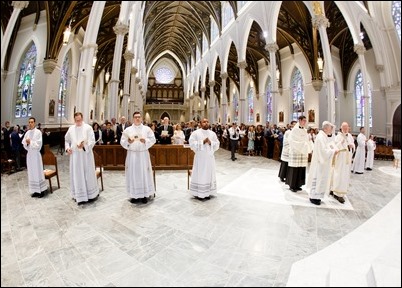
(66, 34)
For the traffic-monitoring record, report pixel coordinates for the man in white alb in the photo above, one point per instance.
(319, 176)
(360, 156)
(204, 143)
(137, 139)
(79, 141)
(343, 161)
(32, 142)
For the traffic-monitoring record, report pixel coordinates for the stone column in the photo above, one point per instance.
(211, 110)
(321, 23)
(203, 89)
(138, 97)
(120, 30)
(242, 97)
(5, 41)
(191, 106)
(133, 88)
(85, 79)
(272, 48)
(224, 100)
(128, 56)
(360, 50)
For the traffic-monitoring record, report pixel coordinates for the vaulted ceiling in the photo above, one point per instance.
(179, 26)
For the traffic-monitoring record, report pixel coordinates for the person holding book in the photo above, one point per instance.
(319, 176)
(165, 132)
(137, 139)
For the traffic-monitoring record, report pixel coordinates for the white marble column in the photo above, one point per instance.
(242, 98)
(212, 116)
(120, 30)
(224, 100)
(321, 22)
(272, 48)
(138, 99)
(128, 56)
(18, 6)
(133, 88)
(360, 50)
(203, 89)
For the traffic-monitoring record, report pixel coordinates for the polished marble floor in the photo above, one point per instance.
(174, 240)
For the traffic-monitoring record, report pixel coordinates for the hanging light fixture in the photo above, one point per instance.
(66, 34)
(107, 76)
(320, 62)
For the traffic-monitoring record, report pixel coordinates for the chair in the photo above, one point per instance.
(189, 172)
(99, 167)
(6, 163)
(49, 159)
(153, 167)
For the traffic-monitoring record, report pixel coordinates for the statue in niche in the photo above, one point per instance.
(258, 117)
(311, 116)
(52, 103)
(91, 114)
(281, 116)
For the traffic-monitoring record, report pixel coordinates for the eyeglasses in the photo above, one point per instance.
(138, 117)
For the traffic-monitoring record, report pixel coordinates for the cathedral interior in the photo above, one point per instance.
(231, 62)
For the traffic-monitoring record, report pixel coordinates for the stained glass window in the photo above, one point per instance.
(250, 96)
(396, 15)
(268, 94)
(227, 13)
(236, 107)
(164, 75)
(297, 94)
(359, 93)
(61, 104)
(26, 82)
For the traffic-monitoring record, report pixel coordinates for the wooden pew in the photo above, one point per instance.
(163, 157)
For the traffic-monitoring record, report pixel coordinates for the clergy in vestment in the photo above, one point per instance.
(285, 153)
(79, 141)
(320, 171)
(32, 142)
(360, 156)
(204, 143)
(299, 148)
(370, 152)
(137, 139)
(342, 163)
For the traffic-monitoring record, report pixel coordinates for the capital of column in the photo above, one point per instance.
(359, 49)
(211, 83)
(90, 45)
(128, 55)
(134, 70)
(114, 81)
(203, 89)
(120, 29)
(272, 47)
(224, 76)
(49, 65)
(137, 80)
(242, 64)
(196, 93)
(20, 4)
(379, 68)
(320, 21)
